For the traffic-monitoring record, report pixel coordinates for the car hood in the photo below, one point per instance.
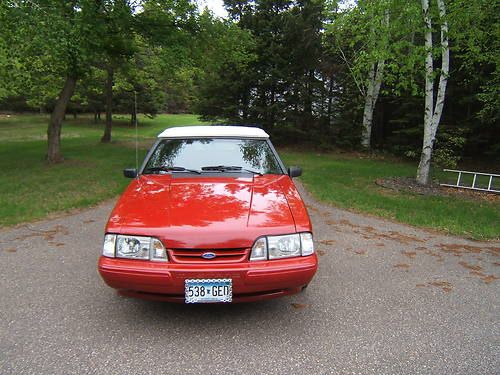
(216, 212)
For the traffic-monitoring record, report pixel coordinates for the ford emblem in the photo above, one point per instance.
(208, 255)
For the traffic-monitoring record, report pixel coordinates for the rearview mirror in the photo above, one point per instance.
(130, 172)
(294, 171)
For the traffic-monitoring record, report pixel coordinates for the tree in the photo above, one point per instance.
(375, 76)
(475, 30)
(118, 46)
(56, 43)
(223, 54)
(433, 110)
(368, 37)
(281, 83)
(90, 92)
(75, 52)
(59, 43)
(305, 70)
(140, 82)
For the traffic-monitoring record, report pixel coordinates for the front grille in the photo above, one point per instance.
(221, 255)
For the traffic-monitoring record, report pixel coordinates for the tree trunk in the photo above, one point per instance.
(271, 107)
(375, 81)
(56, 118)
(308, 108)
(109, 106)
(379, 135)
(427, 146)
(445, 67)
(133, 117)
(375, 78)
(432, 114)
(330, 101)
(244, 105)
(368, 111)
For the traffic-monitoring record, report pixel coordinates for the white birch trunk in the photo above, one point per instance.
(445, 68)
(375, 78)
(368, 111)
(432, 114)
(425, 157)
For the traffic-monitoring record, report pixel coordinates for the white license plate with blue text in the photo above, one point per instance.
(208, 290)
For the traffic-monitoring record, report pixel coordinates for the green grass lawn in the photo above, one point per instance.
(92, 172)
(34, 127)
(349, 182)
(31, 189)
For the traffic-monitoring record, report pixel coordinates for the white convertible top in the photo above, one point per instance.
(213, 131)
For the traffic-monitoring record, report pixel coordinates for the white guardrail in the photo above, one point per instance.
(489, 189)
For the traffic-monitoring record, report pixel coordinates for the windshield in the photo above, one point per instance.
(213, 155)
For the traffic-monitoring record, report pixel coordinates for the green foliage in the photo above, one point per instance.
(145, 44)
(225, 53)
(378, 30)
(298, 68)
(267, 88)
(53, 39)
(449, 146)
(475, 28)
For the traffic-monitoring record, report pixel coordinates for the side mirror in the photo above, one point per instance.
(294, 171)
(130, 172)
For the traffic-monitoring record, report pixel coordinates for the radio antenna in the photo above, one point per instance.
(136, 136)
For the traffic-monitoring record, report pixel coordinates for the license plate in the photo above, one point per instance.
(208, 290)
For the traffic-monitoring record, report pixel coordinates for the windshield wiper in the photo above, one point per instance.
(171, 169)
(228, 168)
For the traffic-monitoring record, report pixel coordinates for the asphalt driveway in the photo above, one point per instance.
(387, 299)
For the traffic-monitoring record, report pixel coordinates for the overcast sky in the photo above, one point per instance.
(216, 6)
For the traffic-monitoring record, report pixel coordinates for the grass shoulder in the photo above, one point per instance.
(349, 181)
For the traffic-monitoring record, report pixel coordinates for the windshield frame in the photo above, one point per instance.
(159, 140)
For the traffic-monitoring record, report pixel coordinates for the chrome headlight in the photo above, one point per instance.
(108, 249)
(134, 247)
(286, 246)
(259, 249)
(283, 246)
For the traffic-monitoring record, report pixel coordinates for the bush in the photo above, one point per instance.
(449, 146)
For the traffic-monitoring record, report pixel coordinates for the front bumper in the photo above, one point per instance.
(251, 280)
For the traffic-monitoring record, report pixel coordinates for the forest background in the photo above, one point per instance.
(417, 79)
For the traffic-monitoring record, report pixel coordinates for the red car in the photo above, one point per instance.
(211, 216)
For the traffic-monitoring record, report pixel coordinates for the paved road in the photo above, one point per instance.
(388, 299)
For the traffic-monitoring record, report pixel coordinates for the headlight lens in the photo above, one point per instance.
(109, 245)
(259, 249)
(306, 239)
(158, 251)
(277, 247)
(283, 246)
(134, 247)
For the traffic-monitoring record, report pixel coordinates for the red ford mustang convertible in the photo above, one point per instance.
(211, 216)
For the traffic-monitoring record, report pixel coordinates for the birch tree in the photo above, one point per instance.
(375, 78)
(433, 108)
(366, 30)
